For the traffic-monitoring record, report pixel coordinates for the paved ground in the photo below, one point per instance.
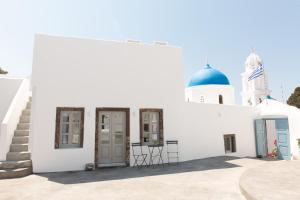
(212, 178)
(272, 180)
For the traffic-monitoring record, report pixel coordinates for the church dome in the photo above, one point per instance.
(208, 76)
(253, 60)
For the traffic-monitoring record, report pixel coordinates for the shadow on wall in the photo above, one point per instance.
(107, 174)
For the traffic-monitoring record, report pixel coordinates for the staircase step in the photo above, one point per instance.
(18, 147)
(15, 173)
(16, 156)
(15, 164)
(23, 126)
(25, 119)
(20, 140)
(28, 106)
(21, 133)
(26, 112)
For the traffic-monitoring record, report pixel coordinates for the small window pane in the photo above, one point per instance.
(104, 118)
(75, 139)
(65, 128)
(154, 117)
(76, 128)
(146, 127)
(65, 139)
(146, 117)
(76, 117)
(154, 128)
(65, 117)
(105, 128)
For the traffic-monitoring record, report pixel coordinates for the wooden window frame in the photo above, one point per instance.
(233, 144)
(161, 126)
(58, 127)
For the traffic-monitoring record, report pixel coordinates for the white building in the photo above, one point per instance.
(92, 99)
(209, 85)
(256, 90)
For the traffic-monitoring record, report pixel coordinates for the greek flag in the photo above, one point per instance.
(256, 73)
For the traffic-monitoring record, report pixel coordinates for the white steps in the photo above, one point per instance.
(25, 119)
(26, 112)
(16, 156)
(18, 162)
(20, 140)
(23, 126)
(19, 133)
(18, 147)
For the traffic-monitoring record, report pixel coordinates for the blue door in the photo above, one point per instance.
(261, 138)
(283, 139)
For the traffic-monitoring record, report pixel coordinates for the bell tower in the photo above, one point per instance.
(255, 90)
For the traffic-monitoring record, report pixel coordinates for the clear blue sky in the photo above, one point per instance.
(222, 30)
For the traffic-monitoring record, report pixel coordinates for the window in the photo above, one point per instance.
(151, 126)
(229, 143)
(69, 127)
(220, 99)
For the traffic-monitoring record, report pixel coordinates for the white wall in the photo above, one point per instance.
(8, 87)
(211, 94)
(91, 73)
(13, 113)
(205, 124)
(276, 109)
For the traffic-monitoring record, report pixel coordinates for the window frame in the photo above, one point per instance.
(232, 139)
(160, 121)
(57, 142)
(221, 99)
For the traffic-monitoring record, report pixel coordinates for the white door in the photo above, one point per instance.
(112, 137)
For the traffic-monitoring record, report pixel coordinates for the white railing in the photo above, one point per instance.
(11, 119)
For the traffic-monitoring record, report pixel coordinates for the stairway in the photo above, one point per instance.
(18, 162)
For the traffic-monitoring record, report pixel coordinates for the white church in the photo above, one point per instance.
(88, 101)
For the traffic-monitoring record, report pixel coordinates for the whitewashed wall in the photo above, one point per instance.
(91, 73)
(211, 93)
(204, 126)
(19, 90)
(8, 87)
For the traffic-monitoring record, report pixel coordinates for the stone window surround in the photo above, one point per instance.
(57, 126)
(161, 127)
(127, 148)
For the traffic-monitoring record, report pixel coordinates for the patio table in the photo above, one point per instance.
(159, 148)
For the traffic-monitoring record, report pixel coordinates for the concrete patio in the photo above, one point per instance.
(211, 178)
(272, 180)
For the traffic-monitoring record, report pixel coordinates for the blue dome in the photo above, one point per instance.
(208, 76)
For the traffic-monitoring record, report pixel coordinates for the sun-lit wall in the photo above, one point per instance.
(70, 72)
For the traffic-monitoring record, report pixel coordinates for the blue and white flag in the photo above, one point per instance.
(256, 73)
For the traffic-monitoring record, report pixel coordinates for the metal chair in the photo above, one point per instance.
(138, 155)
(156, 151)
(172, 152)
